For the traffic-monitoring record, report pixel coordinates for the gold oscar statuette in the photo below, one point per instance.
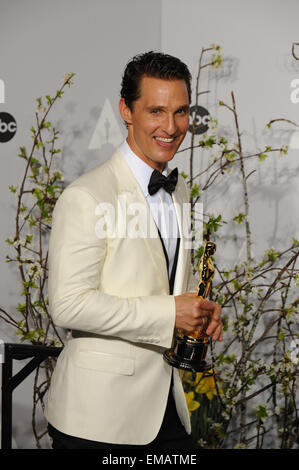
(189, 349)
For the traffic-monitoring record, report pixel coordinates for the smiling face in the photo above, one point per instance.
(159, 120)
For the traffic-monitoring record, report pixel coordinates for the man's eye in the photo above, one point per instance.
(155, 111)
(181, 111)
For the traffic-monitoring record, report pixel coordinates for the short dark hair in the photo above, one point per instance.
(151, 64)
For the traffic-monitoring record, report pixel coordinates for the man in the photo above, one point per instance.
(122, 295)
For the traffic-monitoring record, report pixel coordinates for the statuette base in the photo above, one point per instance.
(188, 354)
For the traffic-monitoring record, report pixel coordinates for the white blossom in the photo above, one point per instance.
(201, 443)
(35, 270)
(225, 415)
(254, 290)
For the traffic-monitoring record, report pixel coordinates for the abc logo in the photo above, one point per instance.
(201, 120)
(8, 127)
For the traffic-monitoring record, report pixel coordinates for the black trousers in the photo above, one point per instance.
(172, 435)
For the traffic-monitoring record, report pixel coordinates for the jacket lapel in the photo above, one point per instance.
(179, 199)
(132, 196)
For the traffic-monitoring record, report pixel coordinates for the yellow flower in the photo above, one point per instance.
(203, 383)
(207, 386)
(187, 377)
(191, 403)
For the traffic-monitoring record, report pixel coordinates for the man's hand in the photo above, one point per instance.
(192, 313)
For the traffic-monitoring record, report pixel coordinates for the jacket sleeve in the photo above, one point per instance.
(76, 257)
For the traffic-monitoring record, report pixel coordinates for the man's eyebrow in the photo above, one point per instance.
(185, 107)
(155, 107)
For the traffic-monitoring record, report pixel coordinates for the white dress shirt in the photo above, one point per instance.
(160, 203)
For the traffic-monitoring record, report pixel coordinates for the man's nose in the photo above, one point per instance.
(169, 124)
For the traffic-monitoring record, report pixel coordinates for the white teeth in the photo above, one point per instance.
(164, 139)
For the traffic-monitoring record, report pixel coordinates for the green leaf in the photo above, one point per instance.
(239, 218)
(49, 99)
(224, 322)
(261, 412)
(223, 140)
(21, 308)
(51, 190)
(199, 252)
(39, 145)
(38, 194)
(213, 224)
(32, 221)
(210, 142)
(22, 153)
(194, 190)
(226, 358)
(13, 189)
(272, 255)
(281, 335)
(29, 238)
(46, 125)
(230, 156)
(45, 213)
(236, 284)
(68, 78)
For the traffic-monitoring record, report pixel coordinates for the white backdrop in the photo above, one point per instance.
(256, 39)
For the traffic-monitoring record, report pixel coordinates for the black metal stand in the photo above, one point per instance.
(13, 351)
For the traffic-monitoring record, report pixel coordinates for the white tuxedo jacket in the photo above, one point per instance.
(111, 382)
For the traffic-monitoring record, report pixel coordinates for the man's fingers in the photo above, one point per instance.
(215, 330)
(205, 304)
(196, 313)
(217, 336)
(215, 326)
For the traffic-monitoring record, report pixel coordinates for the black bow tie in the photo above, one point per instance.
(158, 181)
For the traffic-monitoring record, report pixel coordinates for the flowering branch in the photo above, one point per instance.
(39, 189)
(260, 314)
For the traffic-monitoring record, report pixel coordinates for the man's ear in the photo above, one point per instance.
(125, 111)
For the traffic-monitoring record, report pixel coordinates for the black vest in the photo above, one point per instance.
(175, 262)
